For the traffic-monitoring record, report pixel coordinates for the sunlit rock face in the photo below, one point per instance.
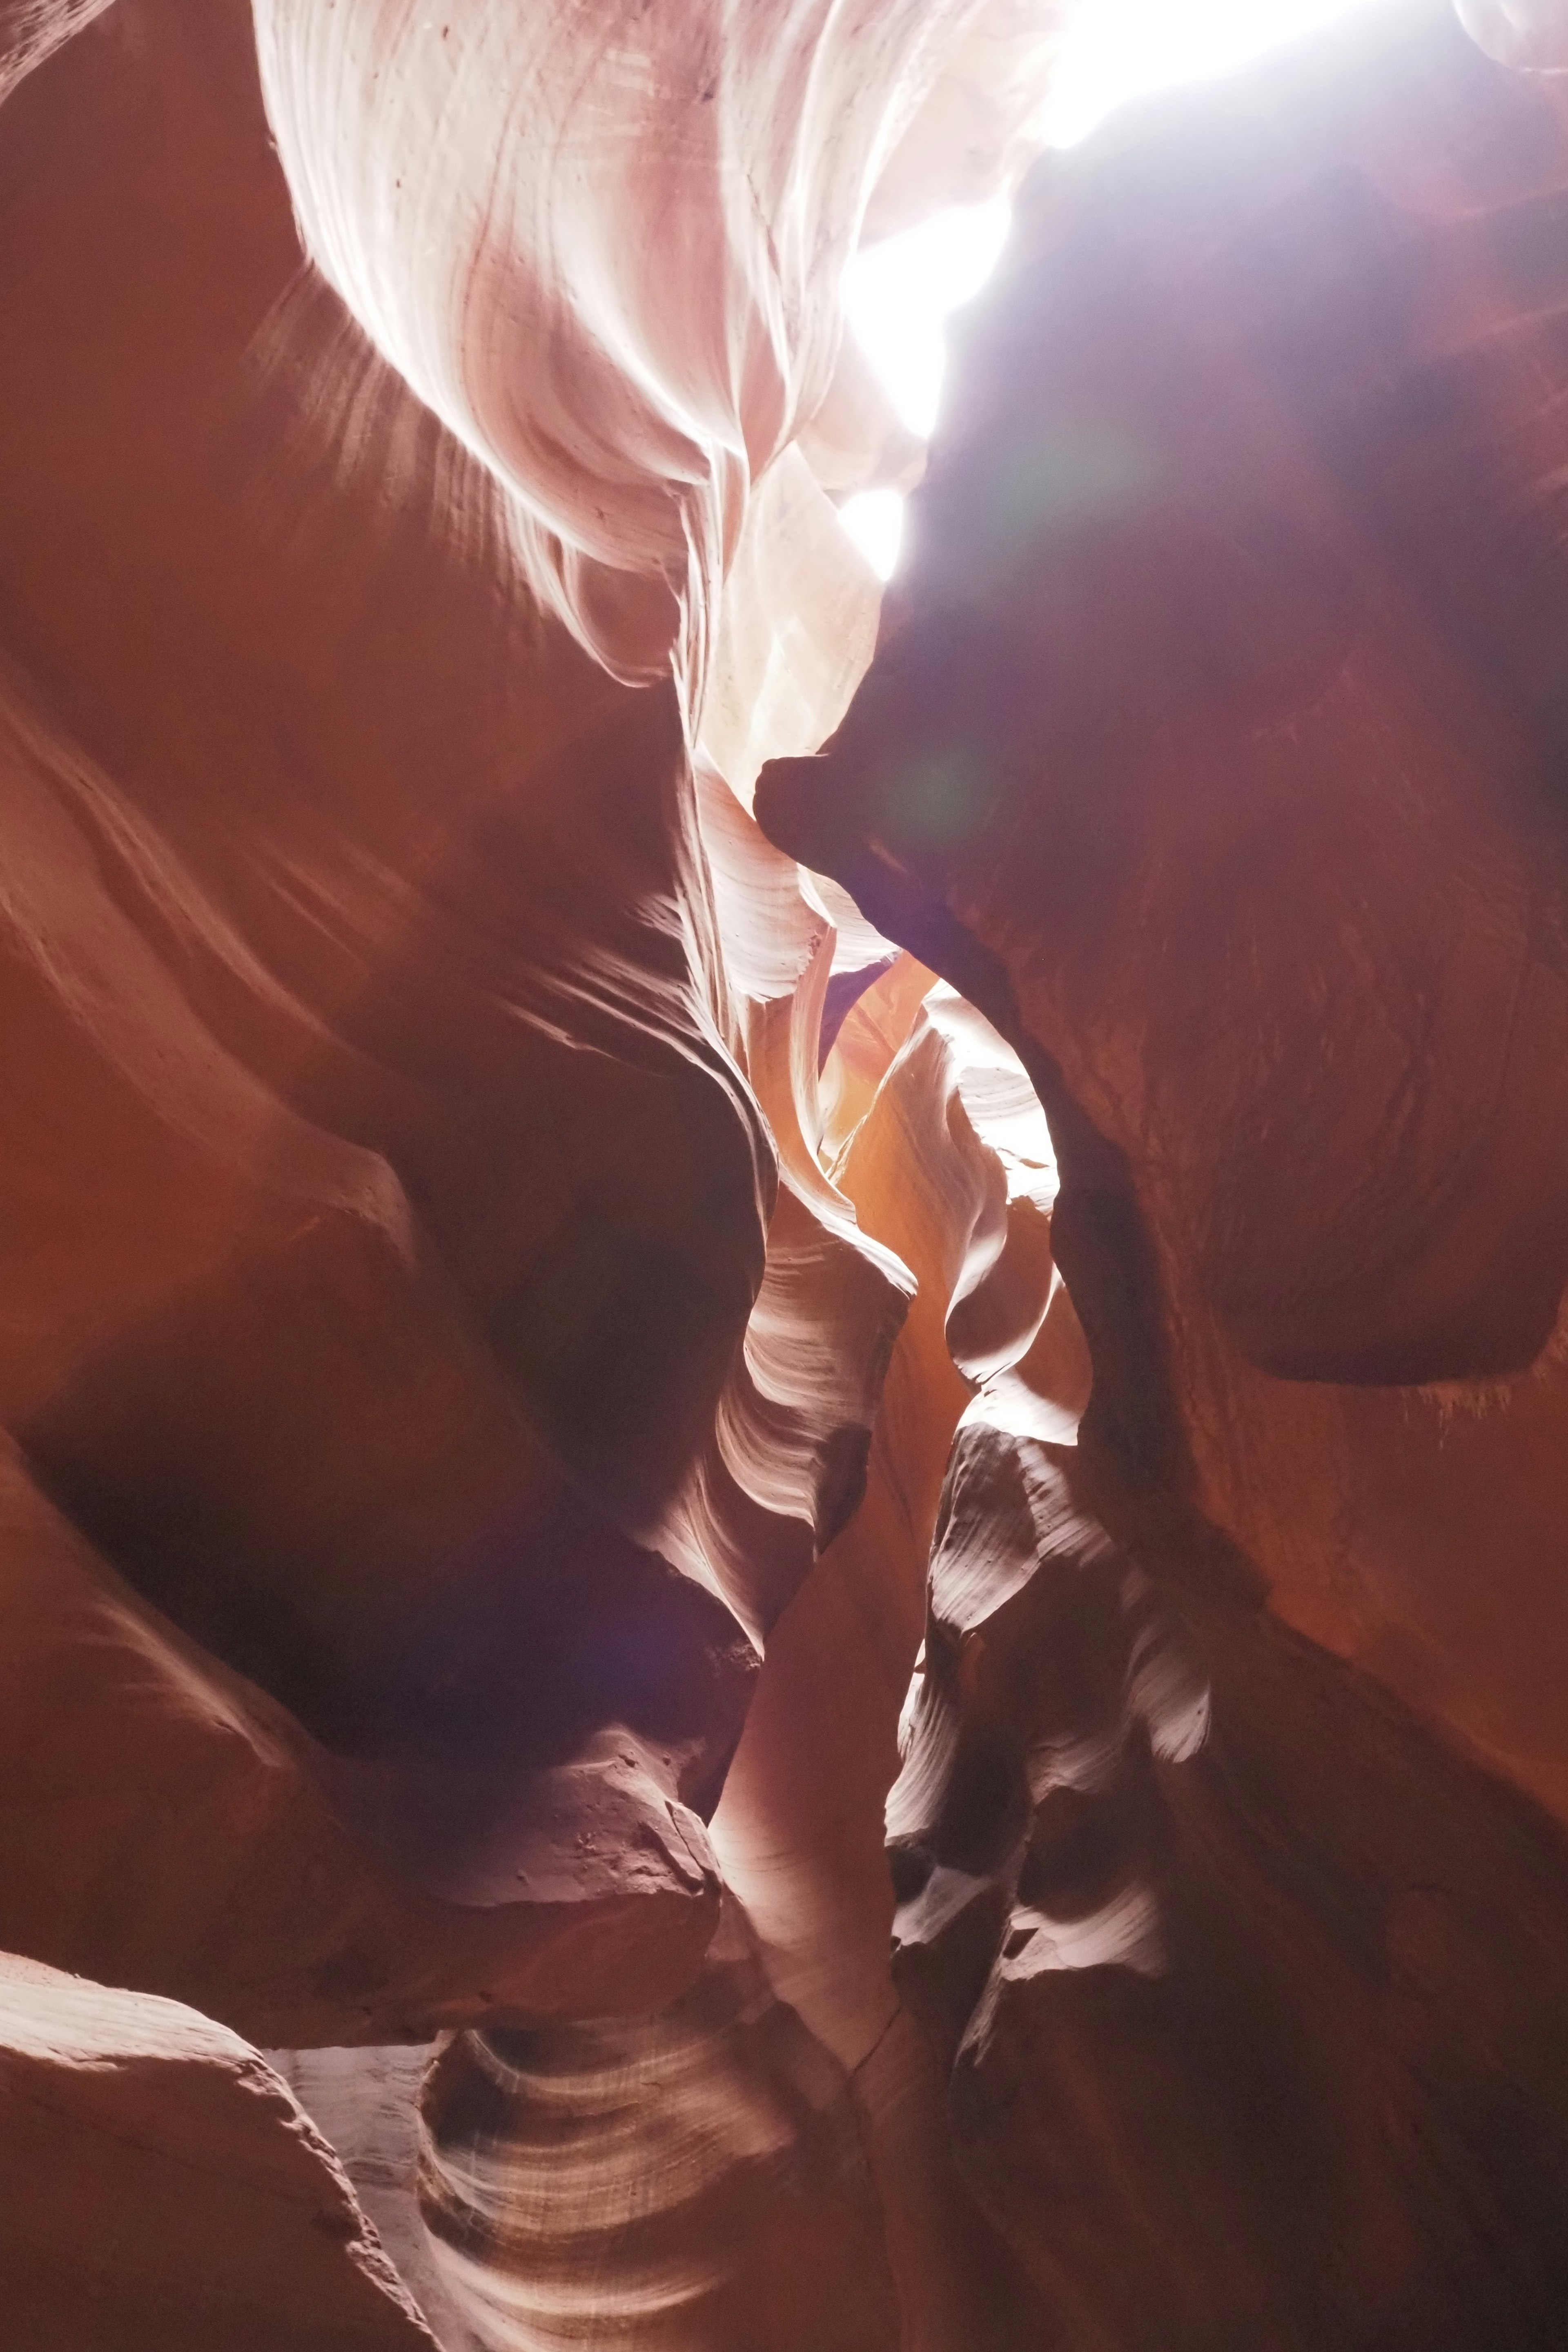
(437, 1347)
(434, 1355)
(757, 1478)
(1211, 747)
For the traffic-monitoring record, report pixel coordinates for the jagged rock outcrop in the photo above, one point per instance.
(1215, 1939)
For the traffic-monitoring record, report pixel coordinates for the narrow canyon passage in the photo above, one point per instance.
(781, 1395)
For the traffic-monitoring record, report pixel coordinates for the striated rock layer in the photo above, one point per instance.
(1218, 706)
(430, 1338)
(690, 2179)
(438, 1346)
(550, 1357)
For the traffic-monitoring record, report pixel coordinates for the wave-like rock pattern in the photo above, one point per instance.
(1201, 1921)
(508, 1273)
(411, 1345)
(691, 2179)
(950, 1132)
(436, 1346)
(1210, 750)
(625, 304)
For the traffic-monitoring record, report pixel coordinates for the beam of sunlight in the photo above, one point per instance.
(898, 293)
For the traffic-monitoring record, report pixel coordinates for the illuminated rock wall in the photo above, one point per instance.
(1212, 747)
(951, 1724)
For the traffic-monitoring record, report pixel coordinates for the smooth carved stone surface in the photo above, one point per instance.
(1251, 1988)
(690, 2180)
(1210, 748)
(168, 1825)
(330, 1323)
(1220, 702)
(162, 2187)
(504, 1269)
(630, 346)
(437, 1342)
(422, 1294)
(365, 2102)
(933, 1133)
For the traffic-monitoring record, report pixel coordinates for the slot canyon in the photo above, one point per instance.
(784, 1386)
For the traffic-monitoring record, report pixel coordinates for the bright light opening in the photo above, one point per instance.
(898, 293)
(875, 521)
(1119, 49)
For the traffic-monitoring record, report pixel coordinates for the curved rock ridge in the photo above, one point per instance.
(800, 1473)
(433, 1320)
(30, 29)
(946, 1126)
(690, 2179)
(1025, 1718)
(924, 1181)
(162, 2186)
(404, 1307)
(365, 2103)
(171, 1827)
(1210, 749)
(619, 286)
(1205, 1927)
(787, 1465)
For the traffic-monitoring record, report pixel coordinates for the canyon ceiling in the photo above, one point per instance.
(783, 1416)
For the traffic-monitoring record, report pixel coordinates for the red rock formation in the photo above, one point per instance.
(391, 1202)
(1215, 1938)
(508, 1271)
(1210, 749)
(161, 2187)
(365, 2103)
(1239, 757)
(171, 1826)
(690, 2179)
(433, 1340)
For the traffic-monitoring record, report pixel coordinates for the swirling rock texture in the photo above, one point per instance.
(862, 1483)
(748, 2217)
